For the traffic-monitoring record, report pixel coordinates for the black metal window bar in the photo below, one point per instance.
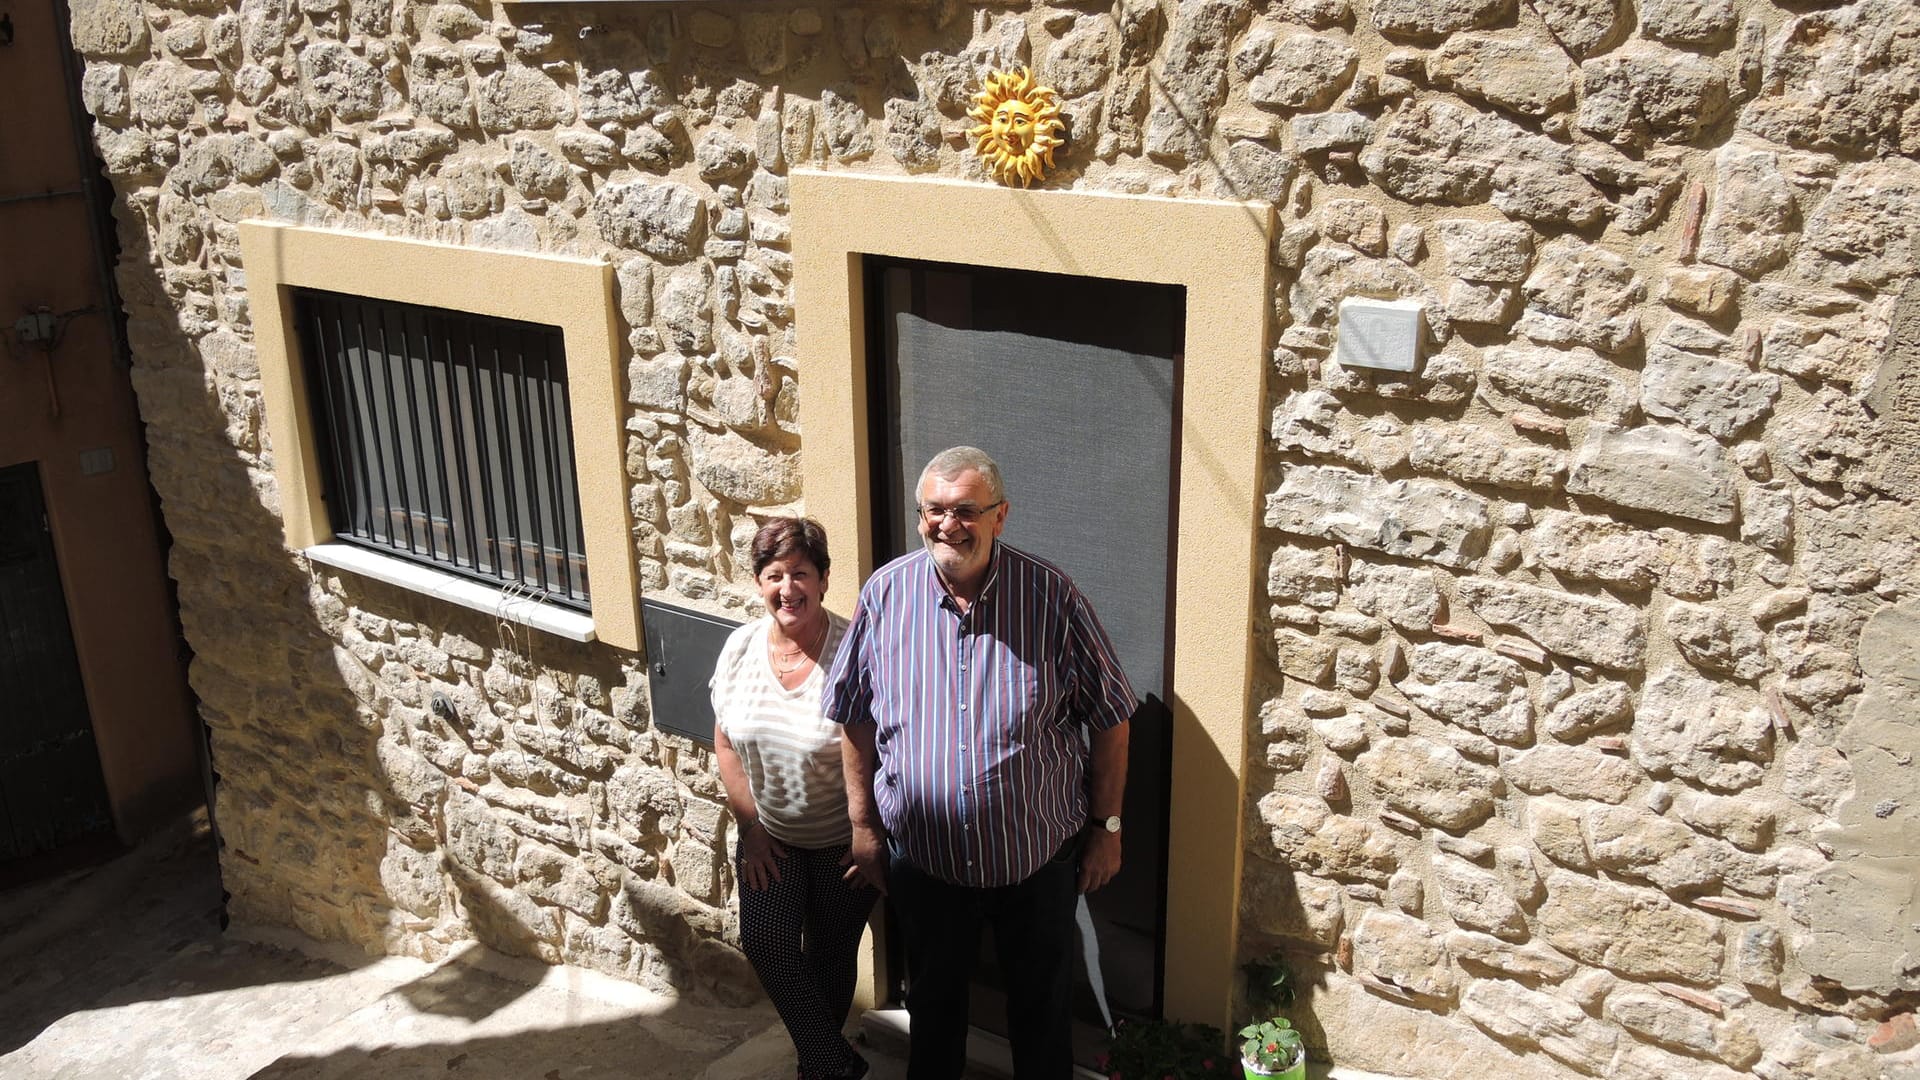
(445, 439)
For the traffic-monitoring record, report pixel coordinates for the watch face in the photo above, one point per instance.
(1112, 824)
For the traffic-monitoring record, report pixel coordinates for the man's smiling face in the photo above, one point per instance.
(960, 549)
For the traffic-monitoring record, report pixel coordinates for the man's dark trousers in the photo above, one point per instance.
(1034, 937)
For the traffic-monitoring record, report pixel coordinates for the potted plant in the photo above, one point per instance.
(1166, 1050)
(1272, 1049)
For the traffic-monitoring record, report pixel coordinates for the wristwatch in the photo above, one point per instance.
(1109, 824)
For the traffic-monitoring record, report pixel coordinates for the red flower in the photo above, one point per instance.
(1273, 1048)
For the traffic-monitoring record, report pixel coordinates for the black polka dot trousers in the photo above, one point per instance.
(801, 934)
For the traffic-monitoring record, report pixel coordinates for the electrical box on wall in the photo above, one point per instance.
(682, 647)
(1379, 334)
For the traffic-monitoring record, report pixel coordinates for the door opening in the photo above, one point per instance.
(51, 789)
(1073, 385)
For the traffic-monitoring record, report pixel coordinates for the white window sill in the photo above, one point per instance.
(455, 590)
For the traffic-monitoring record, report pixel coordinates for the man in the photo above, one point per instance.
(984, 728)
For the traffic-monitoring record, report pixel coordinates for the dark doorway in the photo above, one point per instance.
(1073, 385)
(51, 791)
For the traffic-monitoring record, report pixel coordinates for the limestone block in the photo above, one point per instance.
(552, 877)
(913, 134)
(1412, 19)
(663, 219)
(1526, 76)
(1305, 575)
(1598, 631)
(1508, 1010)
(1688, 22)
(1580, 294)
(1485, 250)
(1573, 771)
(1656, 468)
(722, 157)
(1532, 962)
(1699, 290)
(1837, 80)
(1756, 956)
(845, 124)
(1082, 60)
(1464, 452)
(1472, 688)
(1302, 656)
(744, 471)
(1404, 951)
(1285, 904)
(1314, 840)
(1718, 641)
(1712, 733)
(1345, 733)
(1864, 231)
(1255, 172)
(1435, 151)
(1285, 726)
(477, 841)
(1408, 597)
(412, 879)
(408, 776)
(1717, 397)
(1557, 829)
(1418, 519)
(1193, 73)
(1305, 72)
(1752, 210)
(340, 81)
(1477, 900)
(1318, 133)
(1356, 222)
(1582, 26)
(1670, 1023)
(1745, 822)
(1588, 711)
(1584, 547)
(1643, 91)
(1577, 380)
(1308, 422)
(519, 98)
(1631, 840)
(763, 41)
(1431, 782)
(686, 307)
(1633, 931)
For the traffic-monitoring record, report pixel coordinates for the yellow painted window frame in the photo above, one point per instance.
(575, 294)
(1218, 251)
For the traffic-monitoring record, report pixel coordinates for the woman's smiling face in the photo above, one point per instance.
(792, 587)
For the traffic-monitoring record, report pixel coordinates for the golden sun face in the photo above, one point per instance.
(1017, 126)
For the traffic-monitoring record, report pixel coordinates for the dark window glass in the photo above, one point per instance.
(445, 438)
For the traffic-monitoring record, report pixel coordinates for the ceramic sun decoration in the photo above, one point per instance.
(1017, 126)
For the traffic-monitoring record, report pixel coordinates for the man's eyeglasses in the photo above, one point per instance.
(965, 513)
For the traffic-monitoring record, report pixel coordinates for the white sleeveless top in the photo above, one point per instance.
(791, 752)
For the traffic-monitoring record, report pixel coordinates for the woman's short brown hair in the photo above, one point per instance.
(783, 537)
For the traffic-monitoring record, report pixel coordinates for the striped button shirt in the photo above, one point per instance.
(981, 719)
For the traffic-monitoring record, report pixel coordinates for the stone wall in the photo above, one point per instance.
(1585, 746)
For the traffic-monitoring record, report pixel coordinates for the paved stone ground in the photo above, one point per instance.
(122, 971)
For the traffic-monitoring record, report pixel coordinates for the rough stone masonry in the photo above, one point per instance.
(1586, 738)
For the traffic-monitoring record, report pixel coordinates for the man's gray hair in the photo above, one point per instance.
(948, 464)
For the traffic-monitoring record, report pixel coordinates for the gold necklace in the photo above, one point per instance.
(801, 652)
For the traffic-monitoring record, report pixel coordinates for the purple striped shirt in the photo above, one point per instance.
(982, 719)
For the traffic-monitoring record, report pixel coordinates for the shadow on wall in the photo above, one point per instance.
(384, 775)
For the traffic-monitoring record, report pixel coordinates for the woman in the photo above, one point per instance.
(800, 920)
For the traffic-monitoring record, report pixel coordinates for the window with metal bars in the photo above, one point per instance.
(444, 438)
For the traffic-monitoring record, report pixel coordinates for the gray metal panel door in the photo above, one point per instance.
(51, 790)
(1072, 384)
